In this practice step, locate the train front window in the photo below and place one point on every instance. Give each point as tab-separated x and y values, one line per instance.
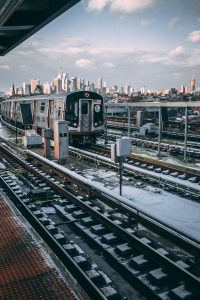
42	107
84	108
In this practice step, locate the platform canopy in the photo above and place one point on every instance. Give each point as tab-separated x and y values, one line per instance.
19	19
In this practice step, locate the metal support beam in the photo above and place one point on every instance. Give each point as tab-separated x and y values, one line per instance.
186	132
106	126
129	121
159	131
15	28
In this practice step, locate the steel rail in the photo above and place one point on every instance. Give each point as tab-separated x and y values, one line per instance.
172	267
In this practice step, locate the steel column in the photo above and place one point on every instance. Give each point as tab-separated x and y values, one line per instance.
16	140
186	132
106	126
129	121
120	174
159	131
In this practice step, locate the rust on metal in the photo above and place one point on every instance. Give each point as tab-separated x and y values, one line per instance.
25	272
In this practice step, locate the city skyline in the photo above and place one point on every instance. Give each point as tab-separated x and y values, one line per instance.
66	83
150	43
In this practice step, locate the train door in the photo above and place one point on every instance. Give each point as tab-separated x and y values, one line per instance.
85	115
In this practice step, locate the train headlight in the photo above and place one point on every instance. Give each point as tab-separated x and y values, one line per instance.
97	108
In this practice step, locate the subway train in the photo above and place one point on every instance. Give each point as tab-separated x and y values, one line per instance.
84	111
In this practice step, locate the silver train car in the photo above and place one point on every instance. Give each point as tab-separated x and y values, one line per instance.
84	111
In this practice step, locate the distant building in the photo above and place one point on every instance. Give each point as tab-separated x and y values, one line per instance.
127	89
100	83
47	88
114	88
142	90
26	89
182	89
82	83
92	87
20	91
57	83
38	90
64	81
1	94
87	83
34	84
79	87
11	91
192	83
73	84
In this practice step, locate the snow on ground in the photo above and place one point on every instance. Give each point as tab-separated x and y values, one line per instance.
177	212
180	213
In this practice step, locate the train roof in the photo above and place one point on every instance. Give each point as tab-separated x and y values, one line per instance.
53	96
36	97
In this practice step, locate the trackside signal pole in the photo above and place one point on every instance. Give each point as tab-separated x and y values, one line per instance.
119	150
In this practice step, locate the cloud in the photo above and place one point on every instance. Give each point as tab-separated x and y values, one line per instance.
147	23
194	36
97	5
177	74
5	67
83	63
173	22
178	51
74	41
154	58
125	6
108	65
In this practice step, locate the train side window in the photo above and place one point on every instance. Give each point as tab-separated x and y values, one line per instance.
42	107
84	108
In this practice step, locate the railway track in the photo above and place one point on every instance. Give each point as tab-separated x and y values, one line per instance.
168	134
193	149
143	262
177	179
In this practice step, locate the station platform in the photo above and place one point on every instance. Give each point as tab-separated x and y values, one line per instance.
26	269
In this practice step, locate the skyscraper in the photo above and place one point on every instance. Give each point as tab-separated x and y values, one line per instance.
182	89
57	83
47	88
34	84
79	83
100	83
26	89
192	84
60	73
73	84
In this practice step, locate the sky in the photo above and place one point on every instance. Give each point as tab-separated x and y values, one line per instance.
151	43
